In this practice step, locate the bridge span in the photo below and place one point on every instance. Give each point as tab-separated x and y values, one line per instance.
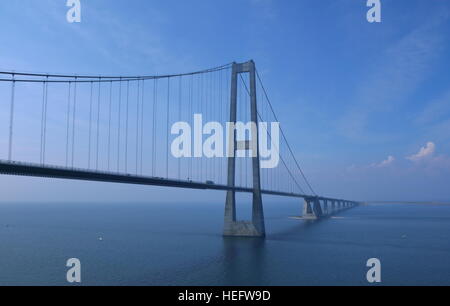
122	136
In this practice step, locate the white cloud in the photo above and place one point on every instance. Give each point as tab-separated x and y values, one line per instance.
385	162
424	152
426	162
388	161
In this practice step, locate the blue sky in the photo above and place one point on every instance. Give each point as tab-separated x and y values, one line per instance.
365	106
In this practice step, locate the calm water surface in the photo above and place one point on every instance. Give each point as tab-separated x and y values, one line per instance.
182	245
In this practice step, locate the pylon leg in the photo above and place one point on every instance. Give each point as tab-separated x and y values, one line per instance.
312	209
317	208
255	227
308	212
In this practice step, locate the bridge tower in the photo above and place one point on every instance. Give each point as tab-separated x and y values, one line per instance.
233	227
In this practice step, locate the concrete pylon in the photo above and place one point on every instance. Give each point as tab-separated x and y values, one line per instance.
317	208
308	212
312	209
326	210
255	227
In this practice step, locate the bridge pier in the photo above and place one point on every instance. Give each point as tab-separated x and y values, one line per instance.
325	207
312	209
255	227
315	208
308	212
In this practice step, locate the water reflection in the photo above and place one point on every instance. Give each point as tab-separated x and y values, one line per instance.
244	260
299	228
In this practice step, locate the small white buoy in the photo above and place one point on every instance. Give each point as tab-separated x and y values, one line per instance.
100	238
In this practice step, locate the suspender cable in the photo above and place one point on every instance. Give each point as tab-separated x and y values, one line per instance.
217	106
198	107
109	125
42	123
211	116
179	118
11	118
214	118
142	125
269	178
266	178
214	111
220	117
68	125
246	111
190	116
155	109
45	122
90	127
137	126
126	127
167	127
206	104
118	125
222	121
240	116
202	113
98	122
73	121
195	104
225	113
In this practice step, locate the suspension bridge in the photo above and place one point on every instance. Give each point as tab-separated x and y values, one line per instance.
118	129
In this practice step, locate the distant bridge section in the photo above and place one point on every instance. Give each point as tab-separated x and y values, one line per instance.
406	202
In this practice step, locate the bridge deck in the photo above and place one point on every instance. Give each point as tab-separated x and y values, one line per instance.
35	170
